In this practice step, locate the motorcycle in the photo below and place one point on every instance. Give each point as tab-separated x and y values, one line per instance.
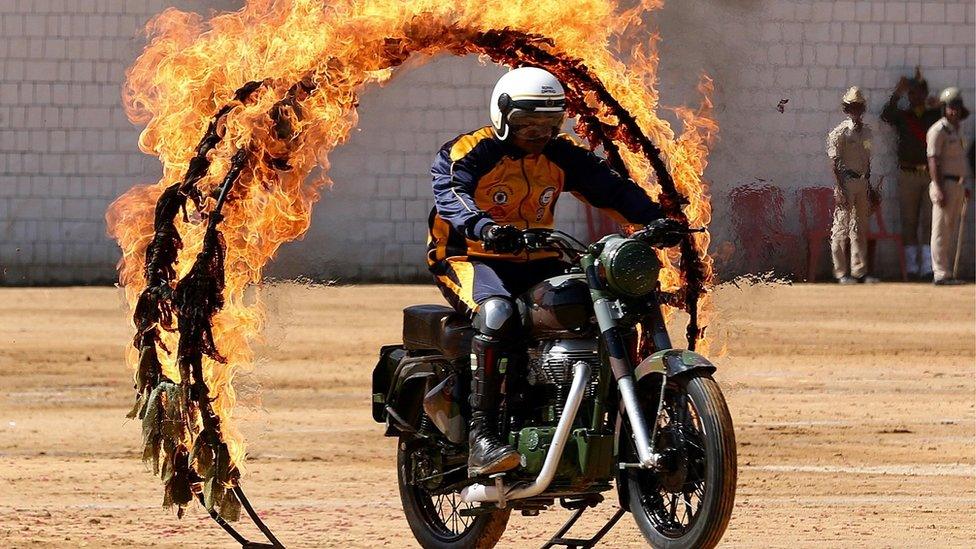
583	407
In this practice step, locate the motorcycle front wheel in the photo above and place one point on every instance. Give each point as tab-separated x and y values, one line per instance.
435	519
687	503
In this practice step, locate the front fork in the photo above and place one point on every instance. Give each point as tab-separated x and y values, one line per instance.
607	314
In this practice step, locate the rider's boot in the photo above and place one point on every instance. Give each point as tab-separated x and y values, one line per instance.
487	454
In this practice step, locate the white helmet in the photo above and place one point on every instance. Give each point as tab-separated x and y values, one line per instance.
950	95
953	96
530	93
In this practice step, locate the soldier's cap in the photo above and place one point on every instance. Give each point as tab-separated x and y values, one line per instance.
853	96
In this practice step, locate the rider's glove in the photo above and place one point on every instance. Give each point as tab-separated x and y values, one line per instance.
665	232
503	239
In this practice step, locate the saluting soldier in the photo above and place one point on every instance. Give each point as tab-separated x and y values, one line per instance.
946	148
913	177
849	149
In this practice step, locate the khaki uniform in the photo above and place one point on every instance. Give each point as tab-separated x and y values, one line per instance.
948	146
850	149
913	180
916	210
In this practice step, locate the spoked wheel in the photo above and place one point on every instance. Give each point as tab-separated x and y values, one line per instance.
688	501
436	519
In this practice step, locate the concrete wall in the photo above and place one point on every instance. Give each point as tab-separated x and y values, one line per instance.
66	149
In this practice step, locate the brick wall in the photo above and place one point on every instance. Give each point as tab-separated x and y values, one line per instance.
66	149
372	224
810	53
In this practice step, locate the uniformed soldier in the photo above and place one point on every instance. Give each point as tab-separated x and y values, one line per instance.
489	185
849	149
913	177
946	149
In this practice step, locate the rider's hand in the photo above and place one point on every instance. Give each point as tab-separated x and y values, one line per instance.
665	232
504	239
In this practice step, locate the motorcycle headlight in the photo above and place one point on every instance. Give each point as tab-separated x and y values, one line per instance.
631	267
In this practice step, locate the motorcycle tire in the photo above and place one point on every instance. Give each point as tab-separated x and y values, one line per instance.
720	472
431	529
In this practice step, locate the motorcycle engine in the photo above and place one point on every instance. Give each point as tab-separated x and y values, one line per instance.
551	365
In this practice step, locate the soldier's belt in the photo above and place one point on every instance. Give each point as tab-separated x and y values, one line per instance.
852	174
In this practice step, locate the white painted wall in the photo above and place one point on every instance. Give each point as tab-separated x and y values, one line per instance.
66	149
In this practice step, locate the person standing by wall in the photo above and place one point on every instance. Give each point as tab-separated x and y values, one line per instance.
946	149
849	149
913	177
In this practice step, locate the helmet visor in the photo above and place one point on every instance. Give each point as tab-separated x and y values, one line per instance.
528	118
536	125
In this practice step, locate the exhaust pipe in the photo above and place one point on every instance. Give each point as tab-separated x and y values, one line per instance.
480	493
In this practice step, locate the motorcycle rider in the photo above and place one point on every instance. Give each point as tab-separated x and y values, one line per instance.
489	185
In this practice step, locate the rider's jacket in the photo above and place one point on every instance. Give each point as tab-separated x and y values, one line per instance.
478	179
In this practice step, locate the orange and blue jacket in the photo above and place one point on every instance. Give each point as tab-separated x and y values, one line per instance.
478	179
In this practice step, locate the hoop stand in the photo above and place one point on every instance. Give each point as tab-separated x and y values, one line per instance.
246	543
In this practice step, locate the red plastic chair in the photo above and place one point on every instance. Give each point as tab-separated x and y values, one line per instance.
883	234
757	221
816	215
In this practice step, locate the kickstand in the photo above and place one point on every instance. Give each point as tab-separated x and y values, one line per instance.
576	543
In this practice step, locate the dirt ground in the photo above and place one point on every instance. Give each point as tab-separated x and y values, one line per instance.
854	413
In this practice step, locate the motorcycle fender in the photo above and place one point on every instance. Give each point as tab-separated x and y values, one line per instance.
673	363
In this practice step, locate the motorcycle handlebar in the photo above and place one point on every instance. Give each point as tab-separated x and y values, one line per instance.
664	237
549	239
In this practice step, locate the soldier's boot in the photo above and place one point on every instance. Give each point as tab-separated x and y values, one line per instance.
487	454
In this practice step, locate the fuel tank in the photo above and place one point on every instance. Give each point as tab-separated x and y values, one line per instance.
559	307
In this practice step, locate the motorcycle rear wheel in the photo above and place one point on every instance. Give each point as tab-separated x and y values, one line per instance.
434	519
707	476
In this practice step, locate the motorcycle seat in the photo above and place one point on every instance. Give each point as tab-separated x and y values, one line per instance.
436	327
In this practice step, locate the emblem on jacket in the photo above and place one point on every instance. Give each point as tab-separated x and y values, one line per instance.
499	195
546	196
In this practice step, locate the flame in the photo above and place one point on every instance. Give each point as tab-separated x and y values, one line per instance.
192	67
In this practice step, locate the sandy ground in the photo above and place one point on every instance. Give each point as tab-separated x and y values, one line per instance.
854	411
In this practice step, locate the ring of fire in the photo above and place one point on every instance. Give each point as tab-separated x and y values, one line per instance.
272	89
